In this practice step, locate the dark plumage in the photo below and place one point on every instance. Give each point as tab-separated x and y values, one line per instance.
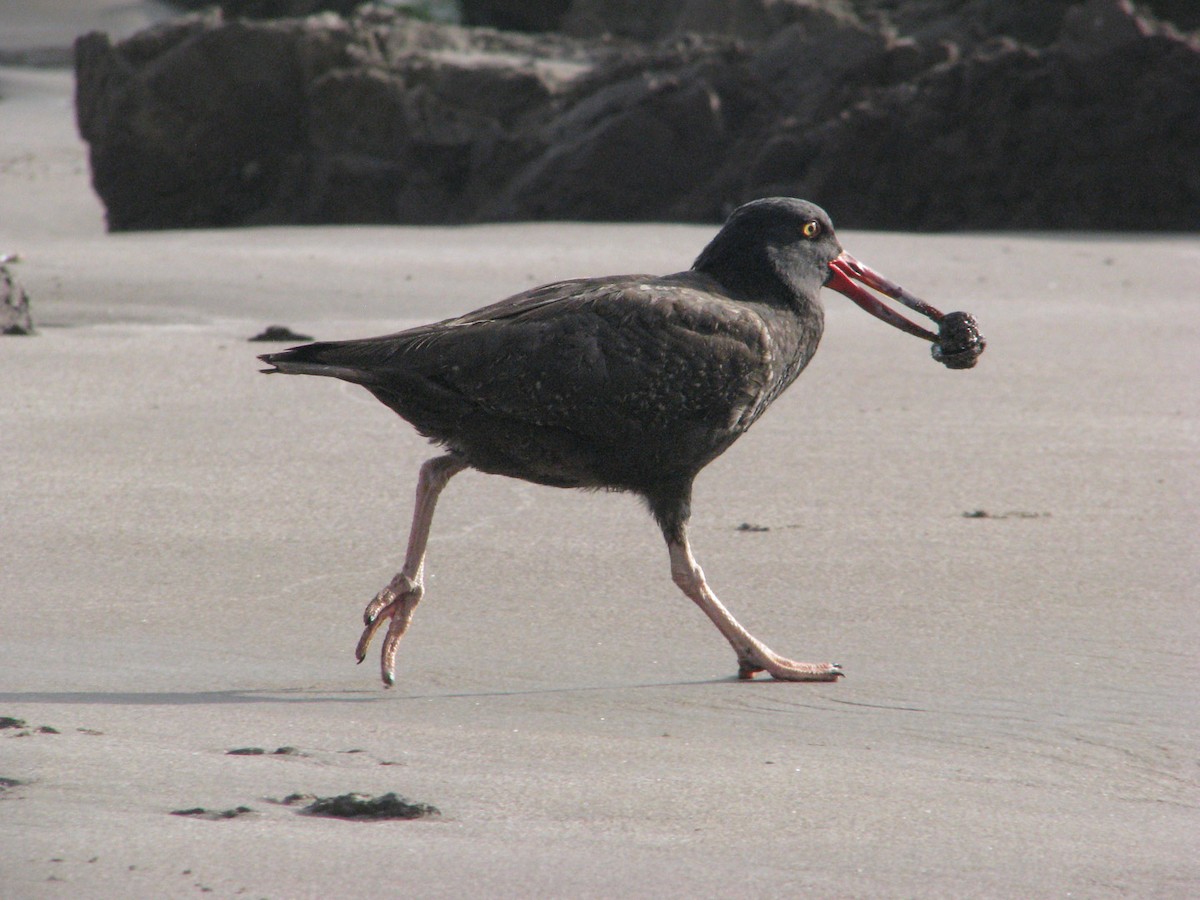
630	383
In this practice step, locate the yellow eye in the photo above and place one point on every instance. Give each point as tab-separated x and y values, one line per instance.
811	229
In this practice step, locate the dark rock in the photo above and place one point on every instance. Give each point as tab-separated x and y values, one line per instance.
270	9
362	806
752	20
1012	514
293	799
1013	137
967	23
632	147
913	114
199	812
199	123
1183	14
10	722
279	333
515	15
246	751
15	317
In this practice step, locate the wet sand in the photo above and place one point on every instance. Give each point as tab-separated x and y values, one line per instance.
1004	560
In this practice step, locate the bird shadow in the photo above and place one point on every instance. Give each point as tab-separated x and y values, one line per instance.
181	698
309	695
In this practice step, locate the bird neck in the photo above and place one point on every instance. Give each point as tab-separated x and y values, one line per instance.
749	285
750	273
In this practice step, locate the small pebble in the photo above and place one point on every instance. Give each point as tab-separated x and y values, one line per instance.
280	333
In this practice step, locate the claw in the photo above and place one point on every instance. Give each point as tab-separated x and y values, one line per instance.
382	601
360	652
391	643
788	670
747	670
394	605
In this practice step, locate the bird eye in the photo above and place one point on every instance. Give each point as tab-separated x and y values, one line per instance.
811	228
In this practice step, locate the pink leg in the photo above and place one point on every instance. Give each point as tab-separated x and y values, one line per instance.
397	601
753	656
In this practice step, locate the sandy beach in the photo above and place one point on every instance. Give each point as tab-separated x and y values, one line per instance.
1004	561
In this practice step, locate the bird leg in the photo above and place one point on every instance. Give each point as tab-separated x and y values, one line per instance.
397	601
753	656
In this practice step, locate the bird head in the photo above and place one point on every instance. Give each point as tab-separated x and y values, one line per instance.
780	249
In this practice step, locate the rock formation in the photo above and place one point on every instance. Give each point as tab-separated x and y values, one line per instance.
891	115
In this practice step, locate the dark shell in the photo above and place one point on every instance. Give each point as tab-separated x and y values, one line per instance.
959	342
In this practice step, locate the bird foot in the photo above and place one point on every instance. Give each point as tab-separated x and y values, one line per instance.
394	604
782	669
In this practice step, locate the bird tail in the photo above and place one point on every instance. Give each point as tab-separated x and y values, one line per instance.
332	359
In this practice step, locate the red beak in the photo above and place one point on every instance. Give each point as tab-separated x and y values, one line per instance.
846	270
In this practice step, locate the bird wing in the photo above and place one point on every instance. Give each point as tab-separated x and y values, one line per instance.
593	357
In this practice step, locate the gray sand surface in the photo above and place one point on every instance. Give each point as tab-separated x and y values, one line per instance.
187	548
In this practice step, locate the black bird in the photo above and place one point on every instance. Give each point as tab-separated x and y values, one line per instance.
628	383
